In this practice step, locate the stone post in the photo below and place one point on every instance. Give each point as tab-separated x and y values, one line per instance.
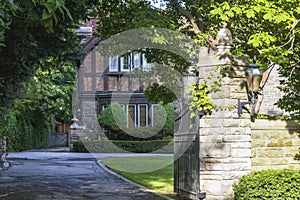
75	136
225	138
3	163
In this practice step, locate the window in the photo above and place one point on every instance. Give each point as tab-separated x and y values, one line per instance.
143	116
114	64
125	63
158	115
131	120
128	62
146	65
136	60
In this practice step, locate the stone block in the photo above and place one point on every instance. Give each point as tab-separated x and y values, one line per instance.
215	131
280	143
228	175
270	162
253	153
236	160
256	135
296	142
237	95
244	123
258	143
215	150
237	138
240	131
238	89
271	152
218	188
224	93
230	123
240	153
208	123
291	152
241	145
222	114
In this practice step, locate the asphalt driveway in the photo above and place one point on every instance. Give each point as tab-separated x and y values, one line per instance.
64	175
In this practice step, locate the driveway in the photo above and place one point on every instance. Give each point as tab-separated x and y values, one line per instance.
64	175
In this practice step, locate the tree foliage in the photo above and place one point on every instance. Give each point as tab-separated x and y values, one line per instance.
268	29
31	32
39	50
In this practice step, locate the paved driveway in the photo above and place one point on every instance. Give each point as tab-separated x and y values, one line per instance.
61	175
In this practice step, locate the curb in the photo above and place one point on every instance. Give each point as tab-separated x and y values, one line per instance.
100	164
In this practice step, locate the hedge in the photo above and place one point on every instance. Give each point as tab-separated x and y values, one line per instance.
109	146
269	184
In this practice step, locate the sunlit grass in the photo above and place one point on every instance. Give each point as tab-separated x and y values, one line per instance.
160	180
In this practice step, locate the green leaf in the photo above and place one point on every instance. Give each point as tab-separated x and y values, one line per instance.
250	14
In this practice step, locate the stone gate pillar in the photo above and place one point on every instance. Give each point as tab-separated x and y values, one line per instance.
225	138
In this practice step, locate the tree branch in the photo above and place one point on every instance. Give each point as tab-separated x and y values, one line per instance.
187	14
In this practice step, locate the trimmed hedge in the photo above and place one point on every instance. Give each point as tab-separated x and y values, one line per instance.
119	146
136	134
269	184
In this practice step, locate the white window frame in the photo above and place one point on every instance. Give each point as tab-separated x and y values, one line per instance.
136	57
145	65
128	64
134	114
114	63
139	114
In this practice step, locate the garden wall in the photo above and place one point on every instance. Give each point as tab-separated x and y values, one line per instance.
274	144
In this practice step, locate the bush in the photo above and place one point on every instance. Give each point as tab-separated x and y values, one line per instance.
269	184
113	117
105	146
23	133
136	134
164	118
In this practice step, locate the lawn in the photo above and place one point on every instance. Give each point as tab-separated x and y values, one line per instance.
155	172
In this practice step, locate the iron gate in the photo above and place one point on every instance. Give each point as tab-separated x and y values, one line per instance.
186	155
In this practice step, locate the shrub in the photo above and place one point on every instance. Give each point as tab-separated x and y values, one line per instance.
105	146
113	117
135	134
269	184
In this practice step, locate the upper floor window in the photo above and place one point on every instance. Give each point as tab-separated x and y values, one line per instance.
128	62
114	63
125	63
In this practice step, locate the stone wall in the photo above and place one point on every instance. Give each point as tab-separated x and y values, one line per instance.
274	144
225	138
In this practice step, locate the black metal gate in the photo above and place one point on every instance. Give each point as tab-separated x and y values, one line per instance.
186	155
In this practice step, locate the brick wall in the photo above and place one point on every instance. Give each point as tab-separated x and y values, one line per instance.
270	93
274	144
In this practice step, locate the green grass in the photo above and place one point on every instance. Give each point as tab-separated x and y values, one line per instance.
155	172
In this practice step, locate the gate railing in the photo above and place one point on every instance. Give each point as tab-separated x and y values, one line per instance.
186	157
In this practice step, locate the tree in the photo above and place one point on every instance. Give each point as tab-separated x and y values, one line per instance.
254	26
33	31
268	29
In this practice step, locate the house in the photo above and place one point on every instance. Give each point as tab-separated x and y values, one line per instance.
112	80
107	79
